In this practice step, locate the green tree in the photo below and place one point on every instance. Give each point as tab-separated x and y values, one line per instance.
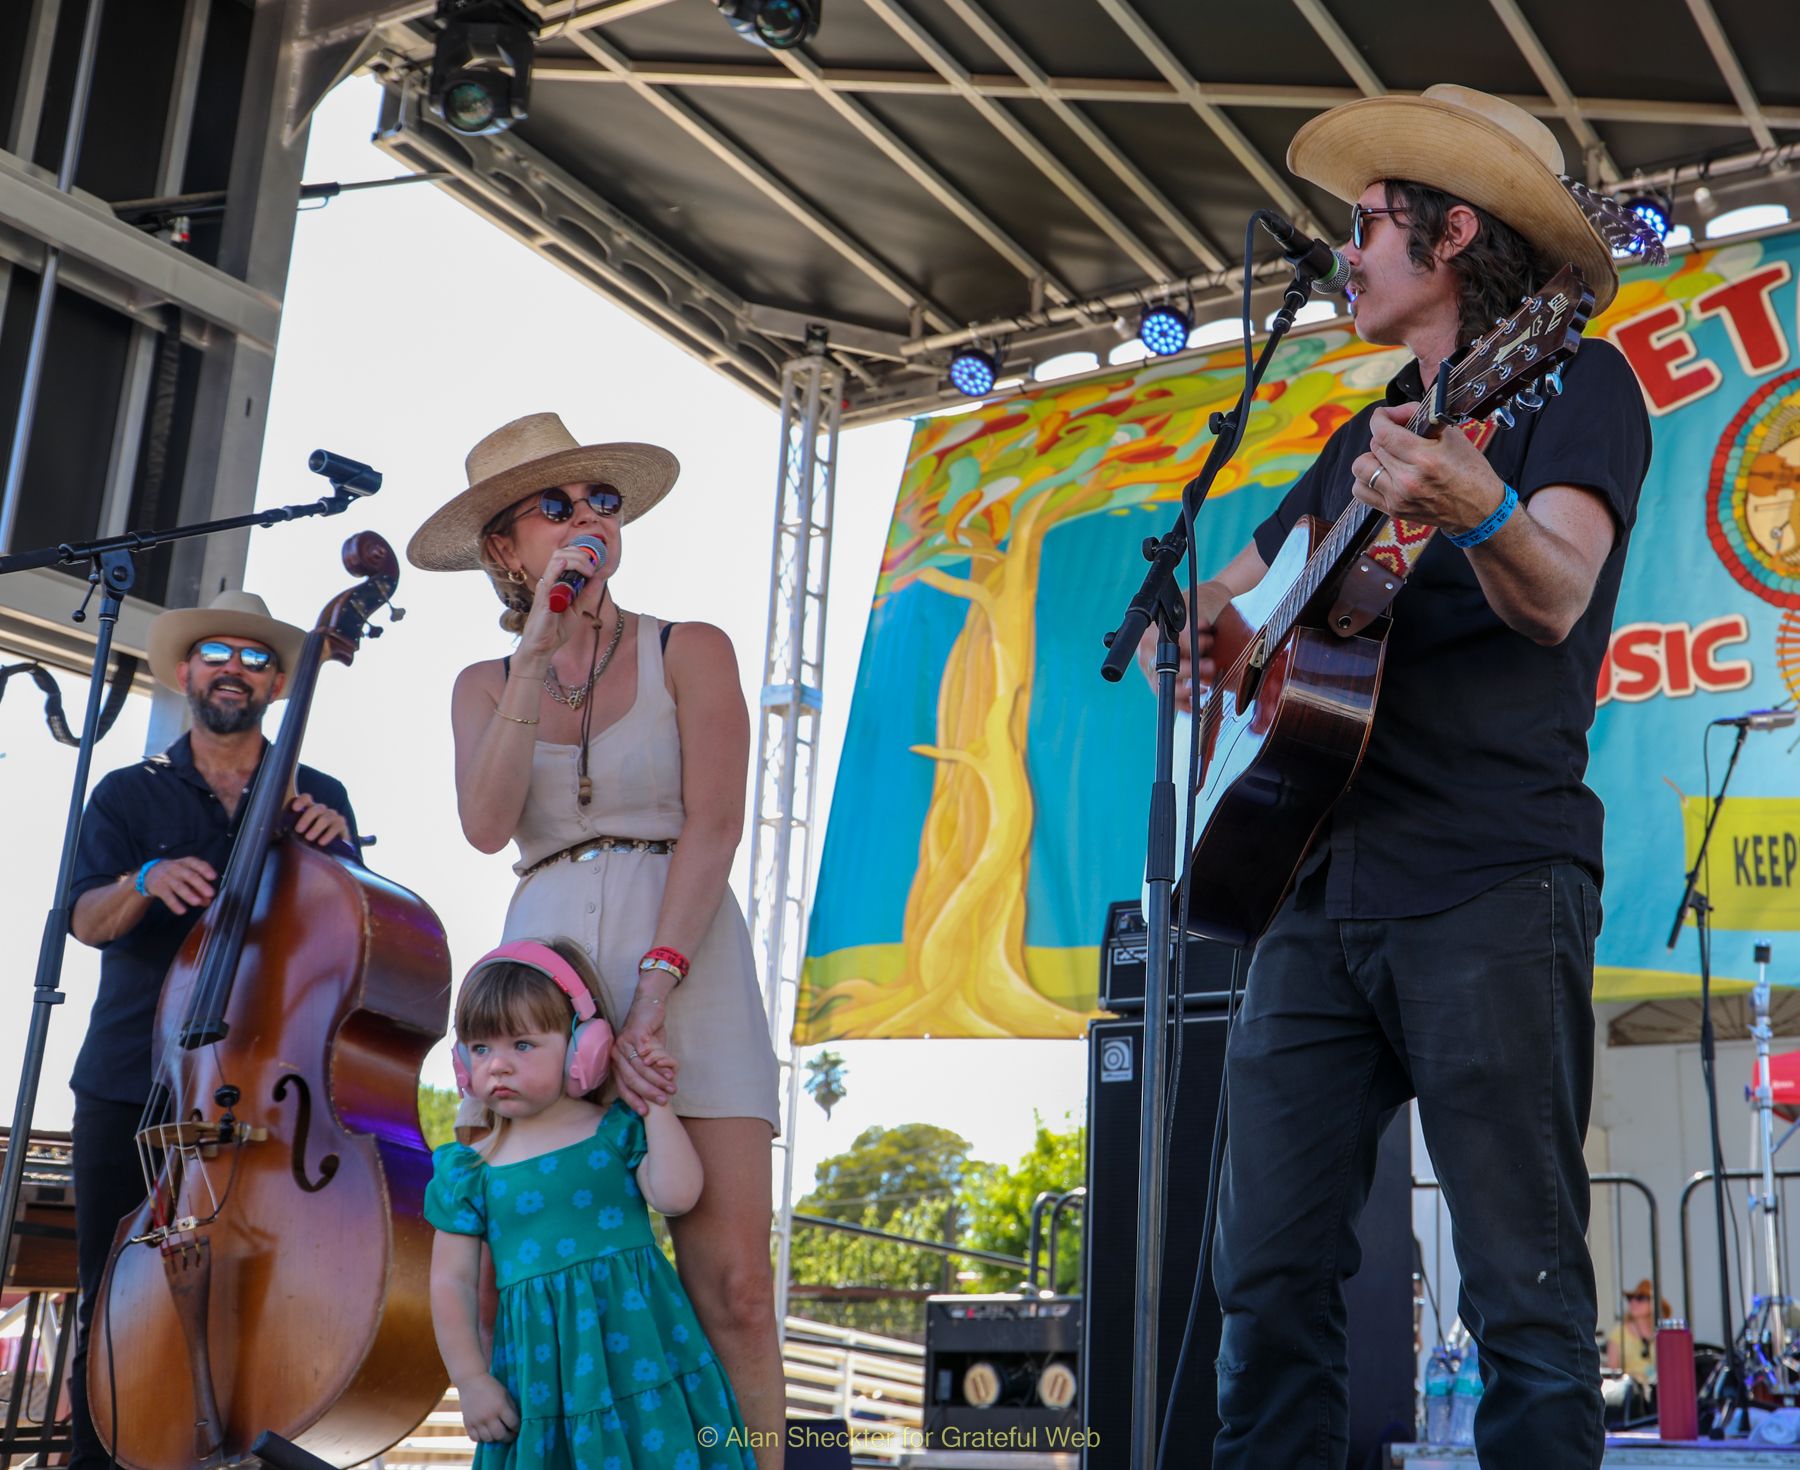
905	1181
997	1200
825	1075
890	1166
437	1114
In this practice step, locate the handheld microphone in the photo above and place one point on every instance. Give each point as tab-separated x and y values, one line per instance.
1762	719
1329	270
569	585
346	474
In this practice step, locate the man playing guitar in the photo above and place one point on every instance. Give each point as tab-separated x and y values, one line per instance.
1438	939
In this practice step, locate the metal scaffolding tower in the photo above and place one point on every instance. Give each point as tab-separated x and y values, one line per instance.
812	396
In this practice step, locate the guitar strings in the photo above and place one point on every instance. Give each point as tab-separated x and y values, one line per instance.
1319	563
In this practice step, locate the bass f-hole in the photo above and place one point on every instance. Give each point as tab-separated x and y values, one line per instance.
328	1165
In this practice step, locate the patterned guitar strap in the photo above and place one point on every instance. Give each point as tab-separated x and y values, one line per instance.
1380	572
1376	577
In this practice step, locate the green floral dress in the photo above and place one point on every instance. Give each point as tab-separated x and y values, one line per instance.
595	1339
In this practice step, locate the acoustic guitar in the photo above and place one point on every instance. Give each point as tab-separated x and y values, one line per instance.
1286	722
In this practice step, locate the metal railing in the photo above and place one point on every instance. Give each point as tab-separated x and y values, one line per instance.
1069	1199
36	1363
875	1384
1618	1183
942	1248
1704	1179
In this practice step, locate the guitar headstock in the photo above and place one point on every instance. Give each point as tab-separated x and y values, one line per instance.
345	618
1521	359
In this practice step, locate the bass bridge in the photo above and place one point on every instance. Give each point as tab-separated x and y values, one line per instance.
172	1153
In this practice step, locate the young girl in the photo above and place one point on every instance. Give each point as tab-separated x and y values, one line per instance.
598	1361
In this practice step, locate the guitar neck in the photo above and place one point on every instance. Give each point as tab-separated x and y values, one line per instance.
1360	524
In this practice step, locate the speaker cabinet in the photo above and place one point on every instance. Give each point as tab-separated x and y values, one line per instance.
1125	965
1380	1295
1000	1372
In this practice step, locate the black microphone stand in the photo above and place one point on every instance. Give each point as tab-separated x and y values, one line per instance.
1734	1400
1158	600
110	570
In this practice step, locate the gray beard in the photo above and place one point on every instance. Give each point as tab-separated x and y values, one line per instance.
225	719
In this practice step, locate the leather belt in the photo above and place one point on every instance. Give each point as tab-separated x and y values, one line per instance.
586	851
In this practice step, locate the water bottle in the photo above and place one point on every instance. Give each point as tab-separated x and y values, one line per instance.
1438	1377
1465	1394
1677	1400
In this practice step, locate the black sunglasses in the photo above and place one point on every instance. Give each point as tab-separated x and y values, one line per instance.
253	660
1361	212
557	505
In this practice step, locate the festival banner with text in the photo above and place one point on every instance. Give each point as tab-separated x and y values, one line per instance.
992	794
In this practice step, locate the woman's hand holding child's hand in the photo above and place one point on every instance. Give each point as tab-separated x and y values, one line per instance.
489	1414
642	1066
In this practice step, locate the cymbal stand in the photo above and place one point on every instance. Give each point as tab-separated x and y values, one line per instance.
1765	1330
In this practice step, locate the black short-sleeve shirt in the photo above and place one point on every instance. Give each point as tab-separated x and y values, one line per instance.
1475	765
161	807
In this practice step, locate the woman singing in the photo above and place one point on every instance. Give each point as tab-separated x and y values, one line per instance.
614	749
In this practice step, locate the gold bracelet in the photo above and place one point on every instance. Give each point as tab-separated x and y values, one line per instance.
514	718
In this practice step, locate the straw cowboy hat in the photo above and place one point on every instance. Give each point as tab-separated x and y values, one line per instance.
1477	148
534	453
229	615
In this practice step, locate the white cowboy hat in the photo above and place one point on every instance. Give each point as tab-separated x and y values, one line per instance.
534	453
229	615
1468	144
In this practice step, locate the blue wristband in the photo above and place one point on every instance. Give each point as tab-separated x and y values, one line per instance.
143	873
1509	502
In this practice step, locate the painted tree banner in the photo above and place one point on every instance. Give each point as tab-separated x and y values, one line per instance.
992	796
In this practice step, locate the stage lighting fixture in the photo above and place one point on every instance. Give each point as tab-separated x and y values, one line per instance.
1706	203
778	24
973	372
1653	207
481	70
1164	329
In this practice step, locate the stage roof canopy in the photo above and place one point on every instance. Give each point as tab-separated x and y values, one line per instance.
1032	169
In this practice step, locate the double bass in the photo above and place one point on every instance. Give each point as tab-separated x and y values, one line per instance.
277	1277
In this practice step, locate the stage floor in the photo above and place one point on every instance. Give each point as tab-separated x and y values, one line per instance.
1624	1451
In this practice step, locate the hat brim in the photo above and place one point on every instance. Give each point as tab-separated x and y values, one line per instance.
1428	142
450	541
173	634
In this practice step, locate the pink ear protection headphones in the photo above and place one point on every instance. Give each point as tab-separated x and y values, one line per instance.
590	1038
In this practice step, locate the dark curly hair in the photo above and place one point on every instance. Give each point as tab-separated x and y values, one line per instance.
1494	272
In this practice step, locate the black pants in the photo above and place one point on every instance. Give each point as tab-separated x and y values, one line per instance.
1484	1013
109	1185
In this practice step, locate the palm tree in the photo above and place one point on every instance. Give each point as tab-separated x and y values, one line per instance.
825	1080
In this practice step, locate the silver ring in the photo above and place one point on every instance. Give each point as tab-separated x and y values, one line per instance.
632	1052
1380	470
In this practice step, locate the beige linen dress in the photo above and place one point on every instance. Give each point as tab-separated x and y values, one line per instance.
608	902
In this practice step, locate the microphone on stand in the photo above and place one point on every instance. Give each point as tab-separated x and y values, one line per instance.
570	584
1329	270
1761	719
346	474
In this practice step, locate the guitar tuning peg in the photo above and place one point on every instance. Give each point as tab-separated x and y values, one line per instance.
1553	381
395	614
1529	400
1503	416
